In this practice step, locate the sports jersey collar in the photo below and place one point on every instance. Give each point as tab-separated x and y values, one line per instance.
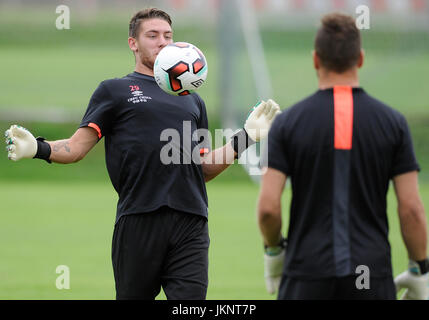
354	89
142	76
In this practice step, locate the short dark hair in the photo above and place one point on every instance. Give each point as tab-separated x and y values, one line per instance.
338	42
149	13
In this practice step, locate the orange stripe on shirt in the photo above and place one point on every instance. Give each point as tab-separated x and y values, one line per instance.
343	117
204	151
97	128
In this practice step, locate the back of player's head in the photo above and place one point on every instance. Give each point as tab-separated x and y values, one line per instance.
338	42
140	16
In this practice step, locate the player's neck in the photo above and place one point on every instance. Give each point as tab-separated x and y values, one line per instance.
329	79
141	68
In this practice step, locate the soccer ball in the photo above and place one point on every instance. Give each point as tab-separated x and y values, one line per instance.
180	68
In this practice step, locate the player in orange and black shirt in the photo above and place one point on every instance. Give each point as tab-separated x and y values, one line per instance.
158	157
340	147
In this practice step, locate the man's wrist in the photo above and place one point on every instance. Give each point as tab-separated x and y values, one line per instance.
240	142
419	267
275	250
43	150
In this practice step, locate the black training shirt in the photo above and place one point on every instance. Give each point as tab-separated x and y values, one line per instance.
131	113
340	151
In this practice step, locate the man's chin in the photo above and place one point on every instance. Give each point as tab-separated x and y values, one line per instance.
148	64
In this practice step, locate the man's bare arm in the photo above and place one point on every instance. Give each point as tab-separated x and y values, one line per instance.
217	161
75	148
255	128
269	206
411	215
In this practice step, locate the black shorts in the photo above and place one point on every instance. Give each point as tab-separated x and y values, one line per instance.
165	248
336	289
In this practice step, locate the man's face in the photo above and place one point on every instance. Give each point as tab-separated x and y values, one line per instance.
154	35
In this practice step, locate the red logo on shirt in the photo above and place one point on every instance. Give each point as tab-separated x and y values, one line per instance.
134	88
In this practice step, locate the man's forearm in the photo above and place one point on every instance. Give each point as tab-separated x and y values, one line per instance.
62	151
217	161
270	226
414	233
21	144
269	206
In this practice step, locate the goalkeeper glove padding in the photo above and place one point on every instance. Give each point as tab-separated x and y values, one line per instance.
273	266
22	144
259	120
415	280
256	126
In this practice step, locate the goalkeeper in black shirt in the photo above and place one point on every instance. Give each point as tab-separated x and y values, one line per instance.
161	235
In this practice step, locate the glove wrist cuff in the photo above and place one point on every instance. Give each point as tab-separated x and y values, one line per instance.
43	150
240	142
419	267
275	250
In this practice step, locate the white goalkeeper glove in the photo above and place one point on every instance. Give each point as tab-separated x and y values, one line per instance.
21	144
256	127
273	266
415	280
259	121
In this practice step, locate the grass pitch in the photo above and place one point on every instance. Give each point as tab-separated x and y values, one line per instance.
46	224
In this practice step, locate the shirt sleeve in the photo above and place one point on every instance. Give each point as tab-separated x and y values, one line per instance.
99	114
404	159
203	127
277	151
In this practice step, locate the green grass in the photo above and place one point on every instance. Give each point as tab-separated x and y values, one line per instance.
46	224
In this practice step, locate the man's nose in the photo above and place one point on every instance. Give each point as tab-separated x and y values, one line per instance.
163	42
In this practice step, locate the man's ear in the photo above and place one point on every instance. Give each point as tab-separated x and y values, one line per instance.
361	58
316	60
132	43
